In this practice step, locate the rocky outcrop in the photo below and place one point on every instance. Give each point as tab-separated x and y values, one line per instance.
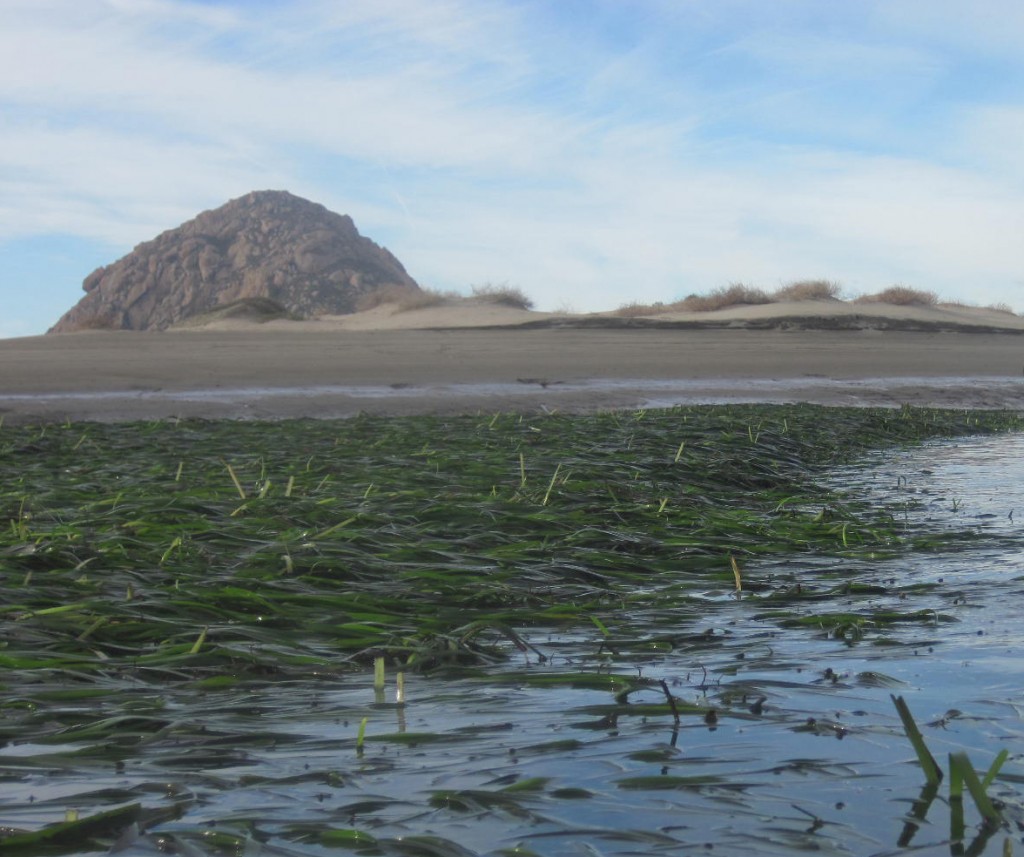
267	244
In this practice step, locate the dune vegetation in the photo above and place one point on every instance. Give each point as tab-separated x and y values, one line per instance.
738	294
401	299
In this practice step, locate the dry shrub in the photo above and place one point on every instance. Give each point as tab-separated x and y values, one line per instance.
96	321
900	296
635	309
253	309
403	298
808	290
736	294
1005	309
425	298
257	310
503	294
384	295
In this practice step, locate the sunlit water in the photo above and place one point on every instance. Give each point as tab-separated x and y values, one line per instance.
804	751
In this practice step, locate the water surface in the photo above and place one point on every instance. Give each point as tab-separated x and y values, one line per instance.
789	740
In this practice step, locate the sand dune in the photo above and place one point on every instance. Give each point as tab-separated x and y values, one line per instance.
812	314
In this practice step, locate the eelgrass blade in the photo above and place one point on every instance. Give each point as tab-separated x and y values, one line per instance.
333	529
73	832
346	838
736	573
957	826
361	735
994	768
551	485
932	771
961	770
671	700
234	478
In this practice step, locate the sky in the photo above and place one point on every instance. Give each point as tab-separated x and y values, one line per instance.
592	153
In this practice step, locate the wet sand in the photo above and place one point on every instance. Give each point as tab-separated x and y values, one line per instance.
279	372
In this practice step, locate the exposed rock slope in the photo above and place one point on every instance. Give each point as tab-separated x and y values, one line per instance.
267	244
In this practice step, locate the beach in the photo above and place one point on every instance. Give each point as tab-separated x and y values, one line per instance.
467	359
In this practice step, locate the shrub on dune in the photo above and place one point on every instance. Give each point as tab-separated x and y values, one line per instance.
635	309
900	296
404	299
724	297
808	290
502	294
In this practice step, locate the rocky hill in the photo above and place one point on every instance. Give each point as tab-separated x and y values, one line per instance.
267	244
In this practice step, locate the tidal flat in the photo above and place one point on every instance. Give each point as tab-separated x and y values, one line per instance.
619	633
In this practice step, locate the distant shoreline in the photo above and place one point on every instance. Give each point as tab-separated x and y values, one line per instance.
437	361
781	322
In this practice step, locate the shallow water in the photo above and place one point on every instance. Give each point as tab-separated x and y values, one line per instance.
650	393
803	750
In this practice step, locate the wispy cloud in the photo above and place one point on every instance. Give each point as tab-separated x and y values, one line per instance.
591	153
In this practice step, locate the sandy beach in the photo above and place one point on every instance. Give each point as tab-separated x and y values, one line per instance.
470	358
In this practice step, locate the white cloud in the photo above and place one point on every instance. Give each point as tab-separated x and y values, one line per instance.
638	152
124	75
637	232
113	186
991	138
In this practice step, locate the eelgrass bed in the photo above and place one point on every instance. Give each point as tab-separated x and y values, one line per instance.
177	560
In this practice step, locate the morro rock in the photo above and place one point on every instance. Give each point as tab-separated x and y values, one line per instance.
267	244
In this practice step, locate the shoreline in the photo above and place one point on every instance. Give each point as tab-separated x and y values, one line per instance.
258	372
258	403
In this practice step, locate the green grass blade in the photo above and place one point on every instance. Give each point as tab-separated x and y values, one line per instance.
932	771
551	485
961	764
198	644
73	833
361	735
994	768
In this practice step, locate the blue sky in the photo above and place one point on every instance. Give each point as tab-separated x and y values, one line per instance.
590	152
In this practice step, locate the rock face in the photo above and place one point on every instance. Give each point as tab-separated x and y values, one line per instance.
267	244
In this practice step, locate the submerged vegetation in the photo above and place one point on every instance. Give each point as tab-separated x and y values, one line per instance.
158	582
423	538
